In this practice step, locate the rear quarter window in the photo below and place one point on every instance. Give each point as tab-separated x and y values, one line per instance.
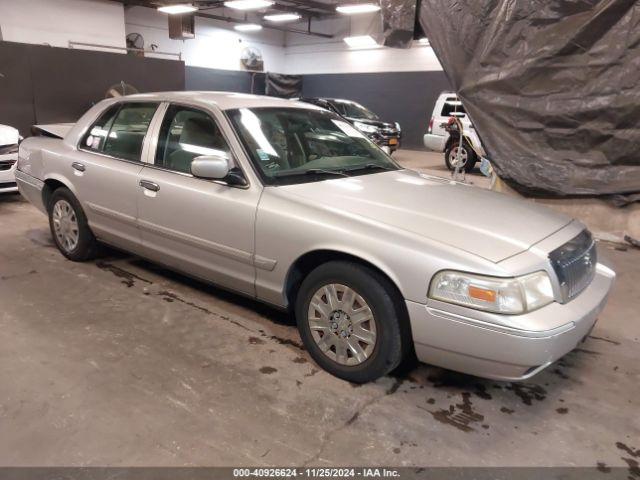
452	105
120	131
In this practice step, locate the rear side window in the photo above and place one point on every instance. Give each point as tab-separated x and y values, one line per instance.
120	131
94	139
332	107
452	105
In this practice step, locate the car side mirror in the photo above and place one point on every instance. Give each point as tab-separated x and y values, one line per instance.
212	167
218	167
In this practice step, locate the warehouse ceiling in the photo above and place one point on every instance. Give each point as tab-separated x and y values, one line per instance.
306	8
309	10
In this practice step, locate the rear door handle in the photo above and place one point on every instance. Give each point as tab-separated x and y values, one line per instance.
154	187
78	166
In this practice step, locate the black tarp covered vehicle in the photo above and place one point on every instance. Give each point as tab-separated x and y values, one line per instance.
552	88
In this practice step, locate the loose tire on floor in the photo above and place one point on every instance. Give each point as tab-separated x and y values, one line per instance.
344	306
69	227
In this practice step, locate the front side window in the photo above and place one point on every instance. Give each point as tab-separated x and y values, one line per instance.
120	131
290	145
187	133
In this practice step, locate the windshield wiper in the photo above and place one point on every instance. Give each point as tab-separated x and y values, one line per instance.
312	171
370	166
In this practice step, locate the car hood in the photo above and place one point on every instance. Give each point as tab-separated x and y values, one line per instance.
375	123
491	225
8	135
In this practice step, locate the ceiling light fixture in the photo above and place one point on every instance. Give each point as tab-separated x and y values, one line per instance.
354	8
248	4
282	17
248	27
178	8
361	41
424	41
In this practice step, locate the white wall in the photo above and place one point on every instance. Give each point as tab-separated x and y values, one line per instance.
216	45
56	22
338	58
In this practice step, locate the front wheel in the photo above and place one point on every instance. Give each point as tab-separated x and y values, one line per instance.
468	157
69	227
349	318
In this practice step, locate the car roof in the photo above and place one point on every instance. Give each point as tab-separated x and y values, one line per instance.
327	99
222	100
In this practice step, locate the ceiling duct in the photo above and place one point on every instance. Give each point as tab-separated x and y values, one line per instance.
182	26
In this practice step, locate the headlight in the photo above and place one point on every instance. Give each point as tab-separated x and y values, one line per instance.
511	296
363	127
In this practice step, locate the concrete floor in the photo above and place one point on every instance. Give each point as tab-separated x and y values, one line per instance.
117	362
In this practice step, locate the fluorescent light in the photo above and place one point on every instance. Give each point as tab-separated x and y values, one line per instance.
178	8
424	41
282	17
248	27
248	4
361	41
358	8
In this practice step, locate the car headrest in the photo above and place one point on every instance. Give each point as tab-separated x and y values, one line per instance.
201	132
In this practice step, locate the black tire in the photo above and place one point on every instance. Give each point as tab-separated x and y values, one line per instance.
87	246
472	157
389	315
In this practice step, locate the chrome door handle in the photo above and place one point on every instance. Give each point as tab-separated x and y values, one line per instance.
154	187
78	166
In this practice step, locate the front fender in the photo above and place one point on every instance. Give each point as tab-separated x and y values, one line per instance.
289	227
342	251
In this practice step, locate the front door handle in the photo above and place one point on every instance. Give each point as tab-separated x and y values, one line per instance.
154	187
78	166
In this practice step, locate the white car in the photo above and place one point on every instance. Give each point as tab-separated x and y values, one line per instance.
439	140
9	139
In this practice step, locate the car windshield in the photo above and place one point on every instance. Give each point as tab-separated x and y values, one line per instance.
293	145
354	110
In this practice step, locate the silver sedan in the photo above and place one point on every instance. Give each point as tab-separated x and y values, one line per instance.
289	204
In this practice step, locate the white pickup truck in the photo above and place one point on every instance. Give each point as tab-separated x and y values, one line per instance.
439	140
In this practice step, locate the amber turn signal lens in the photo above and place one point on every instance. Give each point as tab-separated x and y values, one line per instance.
482	294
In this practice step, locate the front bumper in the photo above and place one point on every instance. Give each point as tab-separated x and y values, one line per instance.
7	174
31	189
435	143
468	345
389	139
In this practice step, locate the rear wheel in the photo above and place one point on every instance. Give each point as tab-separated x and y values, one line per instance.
349	318
468	157
69	227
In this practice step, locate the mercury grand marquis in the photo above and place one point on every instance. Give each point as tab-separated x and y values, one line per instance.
287	203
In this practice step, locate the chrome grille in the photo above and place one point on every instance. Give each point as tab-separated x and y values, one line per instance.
575	264
8	149
389	132
6	165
